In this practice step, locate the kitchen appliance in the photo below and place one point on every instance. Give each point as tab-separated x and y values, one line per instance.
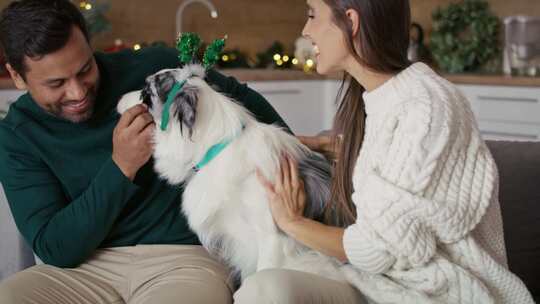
522	46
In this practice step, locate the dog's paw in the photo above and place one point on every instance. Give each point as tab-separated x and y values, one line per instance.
128	100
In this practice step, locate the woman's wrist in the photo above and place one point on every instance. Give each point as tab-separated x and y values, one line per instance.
312	142
317	236
294	227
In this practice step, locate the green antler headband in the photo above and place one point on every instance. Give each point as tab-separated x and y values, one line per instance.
213	51
188	45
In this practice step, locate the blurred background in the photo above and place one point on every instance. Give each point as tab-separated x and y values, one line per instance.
489	48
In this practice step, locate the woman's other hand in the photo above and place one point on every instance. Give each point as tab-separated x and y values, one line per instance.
323	144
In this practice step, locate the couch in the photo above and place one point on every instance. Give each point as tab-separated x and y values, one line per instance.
519	170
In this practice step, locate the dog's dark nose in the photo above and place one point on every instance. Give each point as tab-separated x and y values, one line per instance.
146	96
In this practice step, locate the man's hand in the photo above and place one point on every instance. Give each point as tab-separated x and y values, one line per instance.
132	145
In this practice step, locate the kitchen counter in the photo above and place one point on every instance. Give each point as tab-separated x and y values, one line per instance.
475	79
246	75
497	80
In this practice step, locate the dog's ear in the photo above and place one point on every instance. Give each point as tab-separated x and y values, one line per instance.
186	106
163	83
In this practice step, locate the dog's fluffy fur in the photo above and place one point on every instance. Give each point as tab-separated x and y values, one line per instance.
224	202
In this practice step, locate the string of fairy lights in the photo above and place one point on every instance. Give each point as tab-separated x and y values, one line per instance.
85	5
280	60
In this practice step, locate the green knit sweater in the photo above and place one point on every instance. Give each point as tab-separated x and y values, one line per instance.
67	195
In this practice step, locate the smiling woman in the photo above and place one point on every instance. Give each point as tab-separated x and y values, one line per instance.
423	223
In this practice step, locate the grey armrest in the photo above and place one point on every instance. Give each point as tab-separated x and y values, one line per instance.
15	254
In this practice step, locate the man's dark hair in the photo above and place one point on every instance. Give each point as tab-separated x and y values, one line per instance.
35	28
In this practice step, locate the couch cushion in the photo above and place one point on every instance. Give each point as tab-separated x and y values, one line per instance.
15	254
519	195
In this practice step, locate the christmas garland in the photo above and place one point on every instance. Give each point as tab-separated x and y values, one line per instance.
465	36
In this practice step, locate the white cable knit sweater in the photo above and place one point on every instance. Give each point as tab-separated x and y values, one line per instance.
429	228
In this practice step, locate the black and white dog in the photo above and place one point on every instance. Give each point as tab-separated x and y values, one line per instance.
214	146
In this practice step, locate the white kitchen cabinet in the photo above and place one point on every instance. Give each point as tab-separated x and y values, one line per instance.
505	112
502	112
307	106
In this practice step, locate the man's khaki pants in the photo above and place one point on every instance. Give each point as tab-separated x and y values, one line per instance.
157	274
163	274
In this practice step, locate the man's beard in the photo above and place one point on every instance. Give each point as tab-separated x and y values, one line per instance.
58	110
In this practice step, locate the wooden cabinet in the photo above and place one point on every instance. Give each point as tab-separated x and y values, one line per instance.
505	112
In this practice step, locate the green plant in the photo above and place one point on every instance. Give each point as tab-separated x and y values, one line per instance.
465	36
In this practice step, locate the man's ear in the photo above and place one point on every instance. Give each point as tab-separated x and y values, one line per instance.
354	21
186	101
16	77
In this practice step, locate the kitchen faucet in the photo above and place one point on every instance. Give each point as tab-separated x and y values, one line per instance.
180	11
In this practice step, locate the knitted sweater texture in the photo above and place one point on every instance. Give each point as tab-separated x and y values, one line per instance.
429	228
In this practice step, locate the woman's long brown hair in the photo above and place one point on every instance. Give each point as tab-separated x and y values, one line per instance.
380	46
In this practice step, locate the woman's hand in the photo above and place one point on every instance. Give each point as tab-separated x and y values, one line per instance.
287	197
322	144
